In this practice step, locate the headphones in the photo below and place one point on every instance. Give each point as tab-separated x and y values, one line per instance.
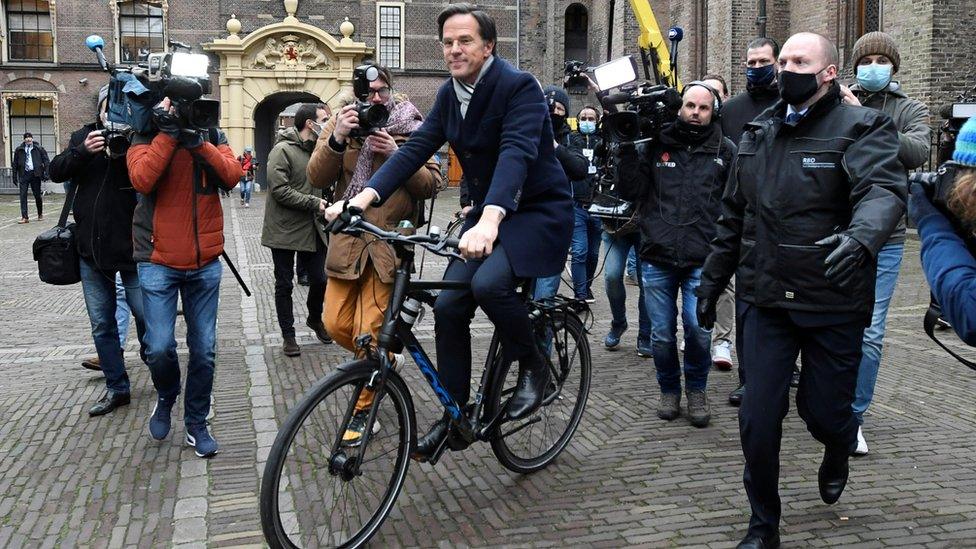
716	104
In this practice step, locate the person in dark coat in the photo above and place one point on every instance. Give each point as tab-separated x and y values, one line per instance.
103	207
816	192
761	93
496	120
677	182
29	170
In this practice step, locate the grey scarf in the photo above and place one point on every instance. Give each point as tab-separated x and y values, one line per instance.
465	91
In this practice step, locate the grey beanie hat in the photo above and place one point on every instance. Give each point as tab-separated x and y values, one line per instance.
102	94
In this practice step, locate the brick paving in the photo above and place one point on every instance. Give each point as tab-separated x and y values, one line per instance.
626	479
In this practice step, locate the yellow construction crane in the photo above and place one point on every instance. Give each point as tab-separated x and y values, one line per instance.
652	43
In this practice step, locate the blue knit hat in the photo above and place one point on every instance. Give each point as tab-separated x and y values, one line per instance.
965	153
558	94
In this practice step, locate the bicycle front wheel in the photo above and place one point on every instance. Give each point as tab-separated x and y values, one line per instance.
530	444
320	487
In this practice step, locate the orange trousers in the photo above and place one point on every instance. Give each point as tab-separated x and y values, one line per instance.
353	308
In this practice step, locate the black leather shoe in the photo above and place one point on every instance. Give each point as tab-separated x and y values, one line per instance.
833	474
529	389
320	331
753	541
303	280
110	401
290	347
735	397
92	363
429	443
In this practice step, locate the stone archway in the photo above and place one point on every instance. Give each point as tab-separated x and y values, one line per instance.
289	57
265	124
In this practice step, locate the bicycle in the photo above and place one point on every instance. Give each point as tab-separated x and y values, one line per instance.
319	491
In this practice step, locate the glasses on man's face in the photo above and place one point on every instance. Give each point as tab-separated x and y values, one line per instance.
382	93
464	42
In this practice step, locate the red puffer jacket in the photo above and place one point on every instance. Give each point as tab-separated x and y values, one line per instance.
180	222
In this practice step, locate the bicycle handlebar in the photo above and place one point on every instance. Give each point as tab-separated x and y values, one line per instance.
351	221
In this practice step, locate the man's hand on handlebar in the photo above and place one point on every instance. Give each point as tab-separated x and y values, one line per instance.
478	241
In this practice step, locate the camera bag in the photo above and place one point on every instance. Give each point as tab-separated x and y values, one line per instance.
55	251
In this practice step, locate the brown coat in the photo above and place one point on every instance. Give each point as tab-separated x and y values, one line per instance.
330	169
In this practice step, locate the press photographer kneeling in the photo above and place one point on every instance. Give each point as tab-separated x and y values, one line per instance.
678	183
943	206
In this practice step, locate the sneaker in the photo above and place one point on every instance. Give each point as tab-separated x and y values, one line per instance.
247	204
320	331
644	347
159	421
722	356
589	297
631	280
613	337
357	424
303	280
699	412
23	220
862	445
199	437
40	217
398	361
670	406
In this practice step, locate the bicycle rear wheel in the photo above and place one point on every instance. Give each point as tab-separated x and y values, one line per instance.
312	494
530	444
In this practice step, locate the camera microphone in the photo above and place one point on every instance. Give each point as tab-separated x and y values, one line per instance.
675	34
97	45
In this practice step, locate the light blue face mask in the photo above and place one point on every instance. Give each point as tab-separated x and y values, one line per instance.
587	127
874	77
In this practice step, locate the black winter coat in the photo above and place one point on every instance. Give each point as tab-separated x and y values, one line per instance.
678	189
104	202
38	158
584	187
570	156
744	108
836	171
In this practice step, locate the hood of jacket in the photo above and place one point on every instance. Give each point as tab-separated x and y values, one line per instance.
293	137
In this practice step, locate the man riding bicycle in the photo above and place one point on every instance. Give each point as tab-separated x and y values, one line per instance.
496	120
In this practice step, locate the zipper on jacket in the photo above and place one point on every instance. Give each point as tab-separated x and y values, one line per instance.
196	227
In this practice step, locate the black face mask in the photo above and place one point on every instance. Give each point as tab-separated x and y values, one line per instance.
691	133
558	121
796	88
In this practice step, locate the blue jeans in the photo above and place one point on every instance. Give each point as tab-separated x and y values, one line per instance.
585	251
102	303
618	248
661	285
632	261
122	310
889	261
246	188
546	287
199	289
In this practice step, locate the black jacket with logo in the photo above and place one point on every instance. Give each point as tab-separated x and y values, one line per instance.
678	189
836	171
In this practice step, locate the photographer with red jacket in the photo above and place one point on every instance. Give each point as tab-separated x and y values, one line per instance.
178	234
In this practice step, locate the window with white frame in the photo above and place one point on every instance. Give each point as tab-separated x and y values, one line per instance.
34	115
389	44
29	34
140	30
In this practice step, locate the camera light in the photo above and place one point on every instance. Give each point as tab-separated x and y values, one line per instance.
192	65
616	73
963	110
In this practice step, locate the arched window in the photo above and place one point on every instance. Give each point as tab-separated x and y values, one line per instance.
141	30
575	33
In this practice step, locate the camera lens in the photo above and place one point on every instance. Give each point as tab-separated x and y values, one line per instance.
377	116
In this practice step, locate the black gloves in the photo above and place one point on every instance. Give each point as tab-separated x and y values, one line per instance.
844	262
190	139
705	309
167	123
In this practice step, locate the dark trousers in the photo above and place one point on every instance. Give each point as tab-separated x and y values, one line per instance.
831	352
493	286
32	182
284	273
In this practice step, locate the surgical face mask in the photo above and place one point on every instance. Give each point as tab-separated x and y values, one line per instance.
874	77
317	128
760	77
587	127
797	88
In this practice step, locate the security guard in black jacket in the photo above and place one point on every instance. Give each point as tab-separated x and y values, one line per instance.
678	183
816	190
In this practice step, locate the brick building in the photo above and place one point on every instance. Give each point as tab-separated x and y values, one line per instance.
267	54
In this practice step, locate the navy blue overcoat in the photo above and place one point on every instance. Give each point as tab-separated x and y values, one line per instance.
505	146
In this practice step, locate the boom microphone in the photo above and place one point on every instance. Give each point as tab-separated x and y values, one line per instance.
675	34
96	44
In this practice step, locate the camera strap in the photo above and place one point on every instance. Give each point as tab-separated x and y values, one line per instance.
932	316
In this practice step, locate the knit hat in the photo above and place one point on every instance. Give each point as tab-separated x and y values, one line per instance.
876	43
558	94
965	152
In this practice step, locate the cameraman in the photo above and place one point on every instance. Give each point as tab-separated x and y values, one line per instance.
178	235
103	206
678	182
947	261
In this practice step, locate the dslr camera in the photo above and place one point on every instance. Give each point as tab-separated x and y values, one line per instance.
135	90
575	81
938	186
371	117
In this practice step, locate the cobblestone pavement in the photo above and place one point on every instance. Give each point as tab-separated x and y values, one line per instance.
626	479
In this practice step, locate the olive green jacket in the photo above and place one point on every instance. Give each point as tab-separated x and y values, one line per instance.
291	215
